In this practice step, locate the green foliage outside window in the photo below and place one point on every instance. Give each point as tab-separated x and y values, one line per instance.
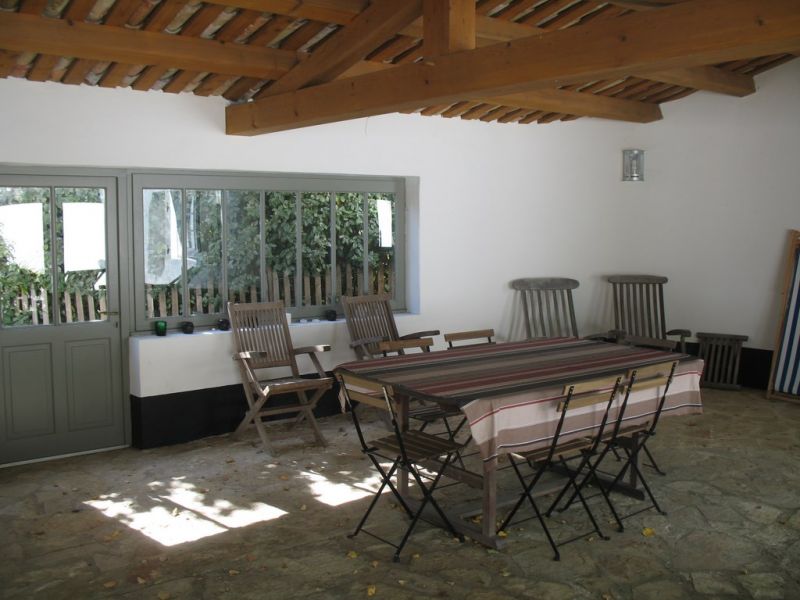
17	280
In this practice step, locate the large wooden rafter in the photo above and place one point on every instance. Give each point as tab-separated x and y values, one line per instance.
686	35
555	101
29	33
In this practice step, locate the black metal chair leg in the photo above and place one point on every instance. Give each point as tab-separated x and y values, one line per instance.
652	460
375	499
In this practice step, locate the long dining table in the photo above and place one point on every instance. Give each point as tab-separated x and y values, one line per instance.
509	392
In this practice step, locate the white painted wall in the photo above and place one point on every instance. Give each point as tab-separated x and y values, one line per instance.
495	202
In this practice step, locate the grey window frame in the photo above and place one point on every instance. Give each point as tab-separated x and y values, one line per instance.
263	183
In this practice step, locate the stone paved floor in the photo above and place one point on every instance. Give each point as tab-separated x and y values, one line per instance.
222	519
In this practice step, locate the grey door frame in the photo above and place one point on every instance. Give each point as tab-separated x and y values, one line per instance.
122	231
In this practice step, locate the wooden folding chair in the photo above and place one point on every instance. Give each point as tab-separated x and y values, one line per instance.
547	306
262	341
599	393
639	317
406	450
373	333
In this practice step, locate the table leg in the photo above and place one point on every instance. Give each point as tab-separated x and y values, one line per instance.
489	499
402	416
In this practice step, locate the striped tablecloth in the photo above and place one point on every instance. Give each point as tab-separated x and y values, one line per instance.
509	391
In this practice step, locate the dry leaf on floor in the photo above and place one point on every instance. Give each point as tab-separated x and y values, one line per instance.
303	507
371	590
113	535
502	534
374	564
233	572
284	477
415	556
352	554
163	596
110	584
141	580
648	532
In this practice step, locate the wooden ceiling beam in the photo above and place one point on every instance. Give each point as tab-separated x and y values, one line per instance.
379	22
691	34
578	103
29	33
709	79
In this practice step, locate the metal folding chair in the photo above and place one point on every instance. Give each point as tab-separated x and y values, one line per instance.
406	450
262	341
631	439
596	393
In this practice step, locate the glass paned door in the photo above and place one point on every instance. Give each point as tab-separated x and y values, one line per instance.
60	356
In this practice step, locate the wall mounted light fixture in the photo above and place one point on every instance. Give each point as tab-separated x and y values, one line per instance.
632	165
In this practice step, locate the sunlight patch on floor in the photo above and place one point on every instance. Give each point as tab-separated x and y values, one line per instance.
336	494
179	512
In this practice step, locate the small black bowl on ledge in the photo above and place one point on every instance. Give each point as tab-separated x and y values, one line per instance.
223	324
330	315
187	327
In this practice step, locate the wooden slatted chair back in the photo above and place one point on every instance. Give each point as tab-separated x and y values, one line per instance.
370	317
590	393
366	392
261	328
639	305
652	376
547	306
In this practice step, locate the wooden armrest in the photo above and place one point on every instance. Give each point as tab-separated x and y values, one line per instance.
365	341
396	345
419	335
684	333
607	335
468	335
312	349
637	340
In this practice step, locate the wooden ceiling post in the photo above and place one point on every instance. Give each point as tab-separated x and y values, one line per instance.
448	26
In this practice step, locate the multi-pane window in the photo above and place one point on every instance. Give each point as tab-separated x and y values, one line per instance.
52	254
202	241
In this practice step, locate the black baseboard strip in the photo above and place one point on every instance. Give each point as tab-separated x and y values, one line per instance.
186	416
